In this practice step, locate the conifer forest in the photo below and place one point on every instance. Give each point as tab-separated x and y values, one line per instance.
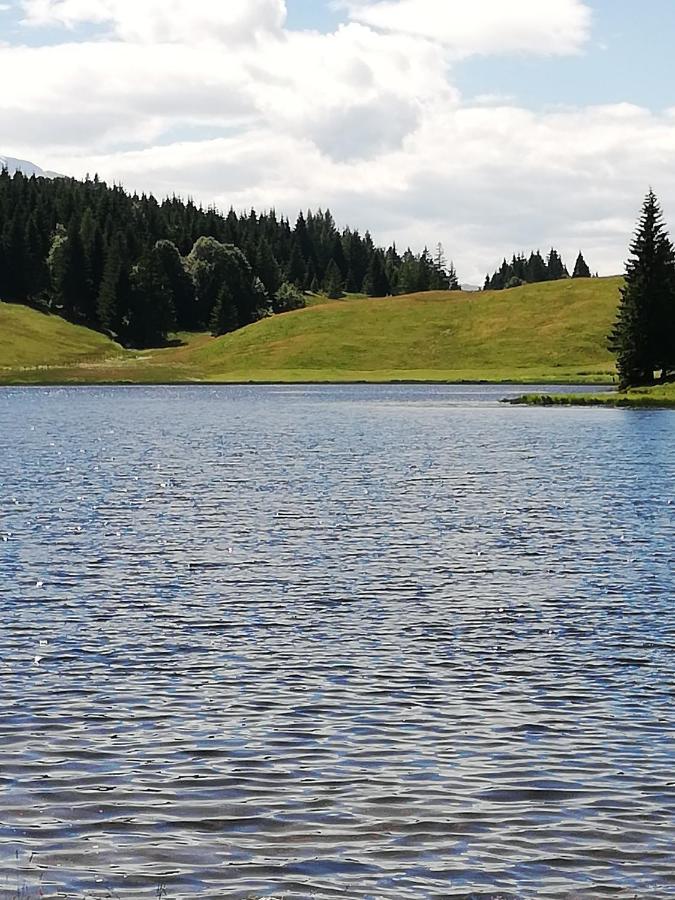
139	269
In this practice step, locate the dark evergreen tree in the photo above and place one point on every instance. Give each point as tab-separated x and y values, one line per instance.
179	284
642	338
152	314
14	259
581	270
376	283
556	267
267	268
536	270
337	255
224	318
357	259
439	280
453	280
425	271
295	270
35	274
115	292
333	284
408	281
91	243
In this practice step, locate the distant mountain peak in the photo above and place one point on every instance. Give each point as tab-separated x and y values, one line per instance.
27	168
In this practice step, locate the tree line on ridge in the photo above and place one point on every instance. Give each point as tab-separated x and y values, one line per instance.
139	269
533	270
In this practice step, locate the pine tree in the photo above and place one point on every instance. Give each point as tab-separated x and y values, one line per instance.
178	283
439	275
425	268
357	259
581	270
224	317
112	304
376	284
453	280
295	270
555	267
333	284
36	273
152	314
536	270
267	268
642	336
91	243
408	281
14	275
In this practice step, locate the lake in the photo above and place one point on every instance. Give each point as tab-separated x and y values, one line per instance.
363	642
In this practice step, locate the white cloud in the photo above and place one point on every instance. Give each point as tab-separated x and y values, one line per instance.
546	27
485	181
160	21
365	120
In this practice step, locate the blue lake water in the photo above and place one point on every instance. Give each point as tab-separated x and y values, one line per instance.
368	642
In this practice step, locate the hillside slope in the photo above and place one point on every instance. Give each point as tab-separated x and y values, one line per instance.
553	332
537	332
29	338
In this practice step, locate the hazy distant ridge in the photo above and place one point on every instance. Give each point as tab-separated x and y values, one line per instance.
23	165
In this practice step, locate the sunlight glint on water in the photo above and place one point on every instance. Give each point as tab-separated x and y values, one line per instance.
336	642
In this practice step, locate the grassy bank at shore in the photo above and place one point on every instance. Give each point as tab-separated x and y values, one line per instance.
29	339
545	333
657	396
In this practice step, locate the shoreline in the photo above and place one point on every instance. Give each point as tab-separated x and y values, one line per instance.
335	382
656	397
605	395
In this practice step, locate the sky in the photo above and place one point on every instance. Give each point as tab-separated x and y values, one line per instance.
493	127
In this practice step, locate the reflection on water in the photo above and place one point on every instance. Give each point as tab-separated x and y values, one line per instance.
334	642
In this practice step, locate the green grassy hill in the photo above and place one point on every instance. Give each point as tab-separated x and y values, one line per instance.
29	338
555	331
536	333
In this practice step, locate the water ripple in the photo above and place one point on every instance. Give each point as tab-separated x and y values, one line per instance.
335	642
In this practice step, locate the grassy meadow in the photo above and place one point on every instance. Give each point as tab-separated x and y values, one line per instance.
30	339
543	333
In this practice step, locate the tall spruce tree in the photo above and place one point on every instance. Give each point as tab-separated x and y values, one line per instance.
179	284
581	269
333	284
376	283
152	311
642	336
536	270
112	305
224	317
453	280
267	268
555	266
